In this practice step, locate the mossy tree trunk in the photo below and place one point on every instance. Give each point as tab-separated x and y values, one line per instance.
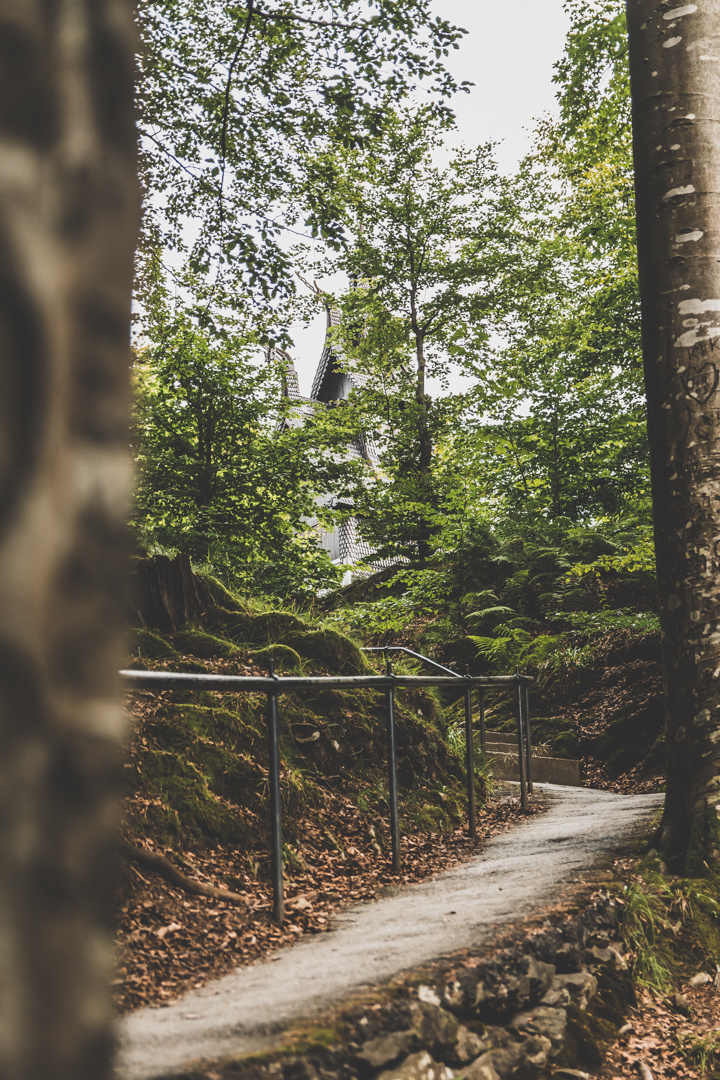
675	80
69	209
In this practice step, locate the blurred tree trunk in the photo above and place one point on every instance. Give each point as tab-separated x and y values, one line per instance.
69	209
675	79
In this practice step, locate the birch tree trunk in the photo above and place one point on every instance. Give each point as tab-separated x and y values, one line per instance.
69	207
675	79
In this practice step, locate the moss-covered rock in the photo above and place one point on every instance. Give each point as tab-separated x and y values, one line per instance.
284	658
330	649
222	596
149	646
206	646
192	808
260	628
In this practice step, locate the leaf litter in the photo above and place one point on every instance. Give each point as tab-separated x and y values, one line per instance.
170	942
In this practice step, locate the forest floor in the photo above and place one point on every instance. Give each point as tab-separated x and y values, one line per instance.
170	942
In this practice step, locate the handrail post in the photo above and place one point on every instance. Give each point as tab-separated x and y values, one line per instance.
276	859
470	756
482	719
392	773
521	743
528	738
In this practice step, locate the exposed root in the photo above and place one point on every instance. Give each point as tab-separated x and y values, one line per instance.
162	866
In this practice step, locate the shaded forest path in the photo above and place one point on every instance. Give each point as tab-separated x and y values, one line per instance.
517	875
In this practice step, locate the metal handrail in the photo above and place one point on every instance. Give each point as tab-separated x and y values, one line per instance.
273	685
409	652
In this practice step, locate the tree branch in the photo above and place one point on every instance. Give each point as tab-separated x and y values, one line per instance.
288	16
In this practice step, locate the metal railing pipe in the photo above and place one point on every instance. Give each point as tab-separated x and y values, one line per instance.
276	854
528	737
171	680
409	652
482	719
392	772
470	760
521	744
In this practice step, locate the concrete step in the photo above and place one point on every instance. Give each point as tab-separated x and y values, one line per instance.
545	770
511	748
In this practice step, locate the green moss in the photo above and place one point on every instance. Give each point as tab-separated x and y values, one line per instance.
263	628
144	643
285	658
185	791
207	646
222	596
331	649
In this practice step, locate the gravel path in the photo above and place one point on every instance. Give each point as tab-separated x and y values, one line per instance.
518	873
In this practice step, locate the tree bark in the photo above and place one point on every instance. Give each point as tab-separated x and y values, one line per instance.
675	80
69	210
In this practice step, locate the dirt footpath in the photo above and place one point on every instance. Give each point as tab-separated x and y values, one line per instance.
518	874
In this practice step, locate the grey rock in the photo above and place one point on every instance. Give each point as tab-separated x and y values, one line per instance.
576	989
428	995
535	1051
540	976
453	995
598	955
544	944
607	955
543	1020
469	1046
418	1067
567	957
701	979
681	1004
436	1028
503	1063
482	1069
556	997
386	1050
460	993
299	1069
502	991
572	1073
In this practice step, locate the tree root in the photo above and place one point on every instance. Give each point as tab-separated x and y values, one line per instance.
162	866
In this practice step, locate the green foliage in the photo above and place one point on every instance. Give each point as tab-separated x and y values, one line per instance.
231	98
217	479
418	295
700	1051
639	558
642	921
604	621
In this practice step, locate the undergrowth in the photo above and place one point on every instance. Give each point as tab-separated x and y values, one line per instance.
670	925
197	773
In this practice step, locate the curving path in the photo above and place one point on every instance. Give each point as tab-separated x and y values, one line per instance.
517	874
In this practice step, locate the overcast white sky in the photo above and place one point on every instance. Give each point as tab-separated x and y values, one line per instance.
508	53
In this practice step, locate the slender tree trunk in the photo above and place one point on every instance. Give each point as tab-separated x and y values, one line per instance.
69	204
425	447
675	77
